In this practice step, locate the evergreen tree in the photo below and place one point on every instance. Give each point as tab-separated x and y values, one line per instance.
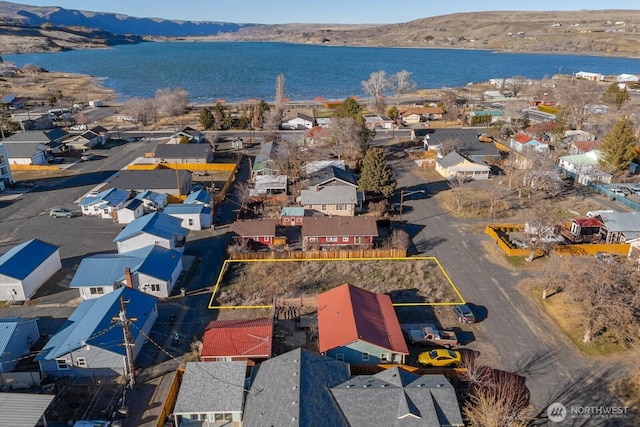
206	119
349	108
616	96
376	176
619	146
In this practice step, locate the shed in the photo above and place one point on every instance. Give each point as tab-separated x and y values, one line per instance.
24	409
26	267
194	216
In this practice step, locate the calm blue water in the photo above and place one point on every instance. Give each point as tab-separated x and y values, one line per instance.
237	71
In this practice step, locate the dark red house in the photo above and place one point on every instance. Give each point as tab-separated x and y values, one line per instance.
261	231
334	231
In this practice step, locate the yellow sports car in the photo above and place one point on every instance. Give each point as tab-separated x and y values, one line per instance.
440	357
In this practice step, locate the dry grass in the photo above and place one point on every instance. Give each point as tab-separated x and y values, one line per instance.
256	283
75	87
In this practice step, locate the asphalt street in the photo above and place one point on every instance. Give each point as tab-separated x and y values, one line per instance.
515	336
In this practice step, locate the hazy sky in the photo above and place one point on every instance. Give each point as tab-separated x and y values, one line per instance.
318	11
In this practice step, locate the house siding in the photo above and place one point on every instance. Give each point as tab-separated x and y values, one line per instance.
332	209
353	353
145	239
125	216
12	289
85	292
350	240
25	335
145	281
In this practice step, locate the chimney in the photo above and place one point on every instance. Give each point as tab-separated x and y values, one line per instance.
128	277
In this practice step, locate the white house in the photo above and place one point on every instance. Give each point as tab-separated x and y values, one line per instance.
453	164
153	270
152	229
90	343
26	267
194	216
580	163
130	210
105	204
627	78
300	121
17	336
152	201
6	178
595	77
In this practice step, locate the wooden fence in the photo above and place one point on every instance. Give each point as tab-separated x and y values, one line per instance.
170	401
19	167
311	255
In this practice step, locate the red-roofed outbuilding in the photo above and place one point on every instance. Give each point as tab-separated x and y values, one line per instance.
242	339
359	327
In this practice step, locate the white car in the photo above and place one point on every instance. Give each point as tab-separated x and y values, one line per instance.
618	192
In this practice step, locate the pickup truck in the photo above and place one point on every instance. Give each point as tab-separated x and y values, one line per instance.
427	334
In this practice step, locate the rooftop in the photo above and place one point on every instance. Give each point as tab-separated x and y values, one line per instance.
157	224
240	338
339	226
20	261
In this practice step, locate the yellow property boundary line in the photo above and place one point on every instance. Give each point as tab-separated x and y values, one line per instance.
408	304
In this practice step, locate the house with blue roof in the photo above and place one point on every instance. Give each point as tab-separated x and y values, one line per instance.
90	343
105	204
152	229
152	201
194	216
26	267
153	270
201	196
132	209
17	335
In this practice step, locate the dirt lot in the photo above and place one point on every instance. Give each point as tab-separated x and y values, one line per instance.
256	283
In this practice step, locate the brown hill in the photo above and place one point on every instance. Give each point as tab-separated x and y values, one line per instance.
610	32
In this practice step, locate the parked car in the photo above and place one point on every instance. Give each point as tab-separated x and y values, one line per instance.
56	160
618	191
87	157
440	358
29	184
59	212
428	334
464	313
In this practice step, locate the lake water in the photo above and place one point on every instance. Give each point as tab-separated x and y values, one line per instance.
238	71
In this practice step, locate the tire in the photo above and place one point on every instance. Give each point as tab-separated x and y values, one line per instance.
68	216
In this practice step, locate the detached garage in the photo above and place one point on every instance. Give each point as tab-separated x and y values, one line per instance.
25	268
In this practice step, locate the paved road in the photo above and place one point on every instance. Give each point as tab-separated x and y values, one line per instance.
516	335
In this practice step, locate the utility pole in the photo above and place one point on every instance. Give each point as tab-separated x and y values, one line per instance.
401	203
127	341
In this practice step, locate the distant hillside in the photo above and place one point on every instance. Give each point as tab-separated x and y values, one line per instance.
606	32
118	24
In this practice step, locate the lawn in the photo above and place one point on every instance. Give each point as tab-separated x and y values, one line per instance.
408	281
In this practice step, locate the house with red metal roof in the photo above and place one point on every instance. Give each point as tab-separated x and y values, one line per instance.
237	340
359	327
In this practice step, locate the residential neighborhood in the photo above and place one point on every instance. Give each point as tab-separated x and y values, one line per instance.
423	241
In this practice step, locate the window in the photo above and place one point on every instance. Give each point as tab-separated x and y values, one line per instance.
4	171
96	209
340	357
190	221
105	211
62	364
341	207
298	219
82	362
286	220
2	159
312	239
345	239
384	357
223	417
332	239
323	207
96	291
365	356
154	287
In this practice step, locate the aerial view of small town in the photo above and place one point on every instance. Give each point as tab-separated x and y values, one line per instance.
462	256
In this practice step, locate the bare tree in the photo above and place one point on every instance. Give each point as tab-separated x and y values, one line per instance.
449	105
575	97
496	194
457	184
607	296
243	193
517	84
449	145
500	399
399	239
345	138
271	124
171	102
401	83
143	110
541	226
550	275
379	104
376	85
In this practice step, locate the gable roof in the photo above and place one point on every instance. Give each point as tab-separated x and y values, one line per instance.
249	228
588	222
150	179
8	327
108	269
20	261
339	226
469	143
335	194
23	149
110	197
177	151
329	173
293	390
584	146
157	224
389	397
622	222
292	211
590	158
188	209
239	338
347	314
199	196
450	160
211	387
42	136
132	204
91	324
301	116
317	165
23	409
157	198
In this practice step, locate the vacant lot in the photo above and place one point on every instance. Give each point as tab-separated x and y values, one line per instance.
414	280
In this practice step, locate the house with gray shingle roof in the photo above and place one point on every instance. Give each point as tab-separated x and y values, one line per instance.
168	181
184	153
211	394
341	200
453	164
299	122
395	397
293	389
36	141
26	267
